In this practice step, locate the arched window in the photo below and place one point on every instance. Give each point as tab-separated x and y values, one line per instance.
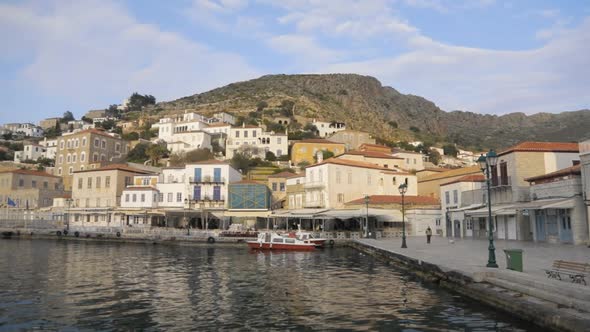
83	157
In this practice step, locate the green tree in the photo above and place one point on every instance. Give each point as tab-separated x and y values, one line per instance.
326	154
287	107
107	125
137	102
155	152
241	162
434	157
67	116
131	136
450	150
138	154
261	105
197	155
270	156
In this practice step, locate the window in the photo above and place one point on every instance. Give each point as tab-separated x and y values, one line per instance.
84	141
455	196
103	157
71	171
274	186
170	196
338	176
179	197
45	185
142	197
74	158
69	158
118	147
447	198
76	143
61	145
279	153
128	181
96	143
278	140
282	186
82	157
59	171
89	183
245	133
104	144
134	198
61	159
34	184
237	133
126	197
69	144
160	197
340	198
503	173
95	157
80	183
253	133
98	182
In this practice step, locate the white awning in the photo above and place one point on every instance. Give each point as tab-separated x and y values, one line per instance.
469	207
497	210
551	203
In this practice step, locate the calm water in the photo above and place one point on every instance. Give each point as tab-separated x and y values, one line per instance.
67	285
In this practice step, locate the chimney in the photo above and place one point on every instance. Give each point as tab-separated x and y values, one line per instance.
320	156
243	124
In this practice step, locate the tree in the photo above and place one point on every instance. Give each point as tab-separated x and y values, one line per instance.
196	155
241	162
270	156
86	119
155	152
45	162
303	164
137	101
450	150
261	105
326	154
139	153
310	127
434	157
393	124
67	117
132	136
106	125
287	107
216	147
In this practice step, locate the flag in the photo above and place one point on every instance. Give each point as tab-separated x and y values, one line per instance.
11	202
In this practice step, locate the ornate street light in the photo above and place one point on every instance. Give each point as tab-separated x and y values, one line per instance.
367	199
485	164
403	188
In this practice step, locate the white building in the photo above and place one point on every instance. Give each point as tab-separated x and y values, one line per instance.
333	182
30	152
50	146
452	199
225	117
26	129
325	129
257	141
184	132
414	160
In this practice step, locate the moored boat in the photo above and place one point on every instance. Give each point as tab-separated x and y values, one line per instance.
274	241
309	238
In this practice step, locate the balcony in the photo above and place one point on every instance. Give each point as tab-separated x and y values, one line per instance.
500	181
207	180
209	198
314	185
314	204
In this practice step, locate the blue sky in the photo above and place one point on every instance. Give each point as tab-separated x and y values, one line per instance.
485	56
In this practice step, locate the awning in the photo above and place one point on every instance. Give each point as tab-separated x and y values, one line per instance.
470	207
497	210
551	203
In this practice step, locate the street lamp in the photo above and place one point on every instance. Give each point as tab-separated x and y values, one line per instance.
367	199
187	202
403	188
69	203
486	163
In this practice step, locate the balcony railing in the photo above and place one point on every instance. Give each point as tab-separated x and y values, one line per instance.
311	185
209	198
206	179
313	204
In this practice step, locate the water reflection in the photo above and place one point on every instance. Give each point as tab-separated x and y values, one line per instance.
109	286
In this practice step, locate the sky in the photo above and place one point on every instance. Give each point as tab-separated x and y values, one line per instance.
483	56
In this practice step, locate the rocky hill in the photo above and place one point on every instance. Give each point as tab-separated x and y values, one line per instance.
364	104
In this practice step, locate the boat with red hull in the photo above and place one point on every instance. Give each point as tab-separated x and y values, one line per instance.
274	241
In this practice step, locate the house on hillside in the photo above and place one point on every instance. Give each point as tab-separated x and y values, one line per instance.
352	139
325	129
307	150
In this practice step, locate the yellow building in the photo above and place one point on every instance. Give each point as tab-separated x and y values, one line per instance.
277	183
306	150
29	188
430	185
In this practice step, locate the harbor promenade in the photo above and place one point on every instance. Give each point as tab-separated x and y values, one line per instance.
461	265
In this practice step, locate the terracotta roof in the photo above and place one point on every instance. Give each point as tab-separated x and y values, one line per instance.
572	170
120	167
210	162
372	154
396	199
284	174
451	173
467	178
139	188
317	141
395	172
219	125
405	151
93	131
29	172
543	147
376	146
353	163
433	169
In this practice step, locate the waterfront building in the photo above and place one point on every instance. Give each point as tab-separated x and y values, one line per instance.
557	210
379	158
247	201
333	182
277	183
584	147
456	196
97	192
325	129
295	192
84	150
256	142
352	139
511	193
307	150
29	189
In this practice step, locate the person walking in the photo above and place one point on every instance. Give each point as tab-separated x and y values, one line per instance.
428	234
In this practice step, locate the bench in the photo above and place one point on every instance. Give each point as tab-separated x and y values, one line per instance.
576	271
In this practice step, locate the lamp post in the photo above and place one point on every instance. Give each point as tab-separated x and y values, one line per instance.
486	163
187	206
367	199
69	203
403	188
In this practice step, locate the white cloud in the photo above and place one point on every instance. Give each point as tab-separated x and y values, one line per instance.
95	51
303	48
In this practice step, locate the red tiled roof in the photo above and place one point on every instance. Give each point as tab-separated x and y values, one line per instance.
376	146
372	154
284	174
353	163
139	188
219	125
120	167
317	141
29	172
572	170
396	172
396	199
467	178
405	151
543	147
433	169
210	162
94	131
451	173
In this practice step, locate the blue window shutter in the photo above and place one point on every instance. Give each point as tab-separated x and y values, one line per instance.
197	174
217	174
197	193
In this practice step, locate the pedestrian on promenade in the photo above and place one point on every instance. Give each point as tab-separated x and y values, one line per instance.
428	234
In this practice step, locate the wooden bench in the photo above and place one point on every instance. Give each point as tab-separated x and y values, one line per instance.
576	271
